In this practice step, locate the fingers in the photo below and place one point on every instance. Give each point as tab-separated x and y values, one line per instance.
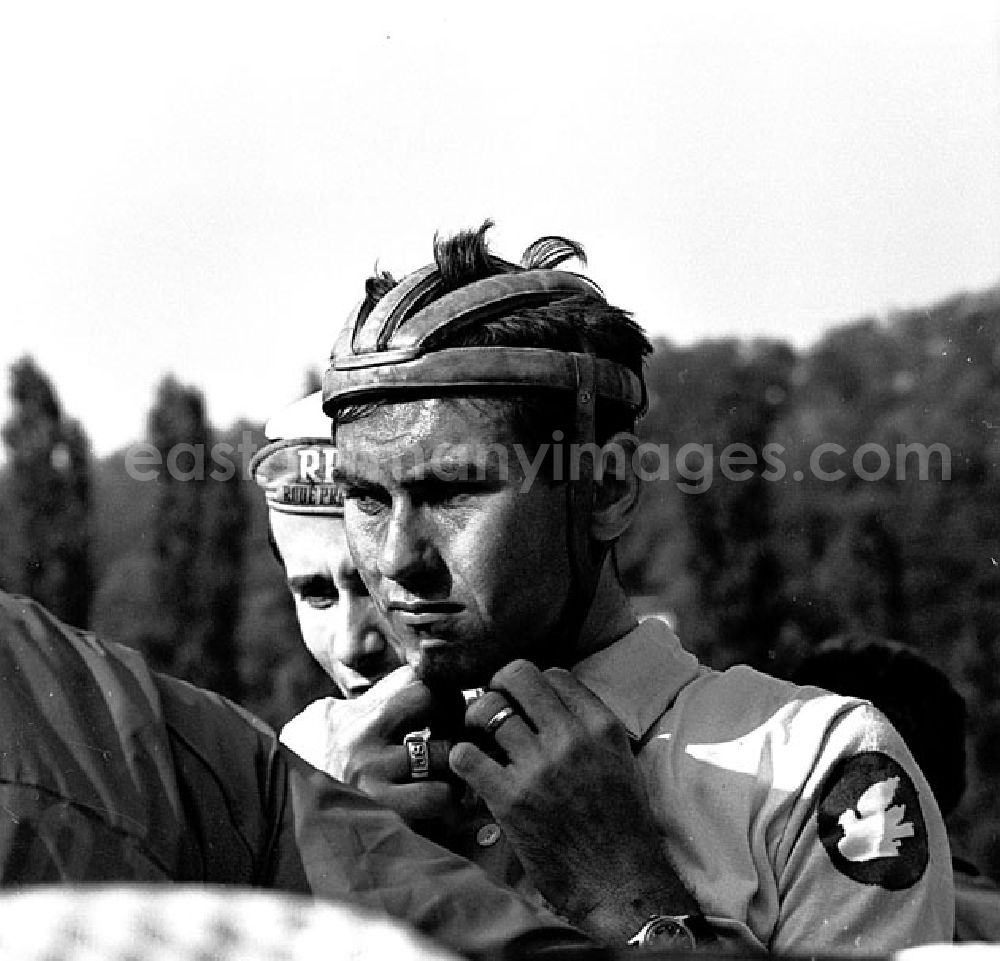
495	716
398	703
528	710
550	699
549	727
384	774
439	751
482	710
490	719
484	775
390	685
390	764
525	685
536	698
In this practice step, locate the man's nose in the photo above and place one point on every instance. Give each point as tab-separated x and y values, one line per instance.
359	640
406	554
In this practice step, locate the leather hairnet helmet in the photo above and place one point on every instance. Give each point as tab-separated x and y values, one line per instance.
398	350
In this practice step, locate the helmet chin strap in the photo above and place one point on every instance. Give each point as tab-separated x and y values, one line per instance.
580	490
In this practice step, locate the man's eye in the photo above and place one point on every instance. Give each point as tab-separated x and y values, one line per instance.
366	501
450	494
319	602
370	505
318	593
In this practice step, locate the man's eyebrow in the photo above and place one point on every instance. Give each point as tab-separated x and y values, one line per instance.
309	582
461	464
447	469
342	474
444	469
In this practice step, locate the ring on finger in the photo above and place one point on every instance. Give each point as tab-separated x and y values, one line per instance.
418	753
504	714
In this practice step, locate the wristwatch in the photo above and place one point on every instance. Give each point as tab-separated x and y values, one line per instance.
682	931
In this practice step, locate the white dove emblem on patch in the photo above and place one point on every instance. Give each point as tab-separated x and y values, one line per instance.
877	829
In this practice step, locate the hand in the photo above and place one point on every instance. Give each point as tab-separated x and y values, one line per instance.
364	747
571	801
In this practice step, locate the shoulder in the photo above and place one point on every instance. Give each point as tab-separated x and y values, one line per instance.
208	732
854	840
85	683
61	681
741	699
36	643
82	736
806	740
232	780
156	759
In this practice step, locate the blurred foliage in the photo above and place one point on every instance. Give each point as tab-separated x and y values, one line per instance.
761	569
175	592
46	523
187	573
757	566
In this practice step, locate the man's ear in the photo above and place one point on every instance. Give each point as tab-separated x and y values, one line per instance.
616	488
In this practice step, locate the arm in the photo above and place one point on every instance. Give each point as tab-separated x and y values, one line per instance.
571	801
863	863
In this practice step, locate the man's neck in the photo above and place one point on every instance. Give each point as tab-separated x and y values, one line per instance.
610	616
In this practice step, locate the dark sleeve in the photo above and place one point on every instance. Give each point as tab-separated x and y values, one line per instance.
86	780
261	815
46	839
353	850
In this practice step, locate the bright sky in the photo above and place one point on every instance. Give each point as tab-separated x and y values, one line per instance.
202	186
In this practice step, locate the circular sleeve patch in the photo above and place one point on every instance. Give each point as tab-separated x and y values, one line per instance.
870	822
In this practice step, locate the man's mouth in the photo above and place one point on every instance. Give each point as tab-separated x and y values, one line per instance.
417	614
361	683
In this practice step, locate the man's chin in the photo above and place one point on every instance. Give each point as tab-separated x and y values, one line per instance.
449	675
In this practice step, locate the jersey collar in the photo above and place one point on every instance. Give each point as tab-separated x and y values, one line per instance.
639	675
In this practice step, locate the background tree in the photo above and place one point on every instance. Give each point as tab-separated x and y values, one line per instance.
704	399
185	571
178	429
199	522
47	531
221	565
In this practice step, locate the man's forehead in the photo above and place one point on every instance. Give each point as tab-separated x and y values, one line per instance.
308	534
429	422
416	440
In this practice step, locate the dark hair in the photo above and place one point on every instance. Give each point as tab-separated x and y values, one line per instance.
902	685
581	323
